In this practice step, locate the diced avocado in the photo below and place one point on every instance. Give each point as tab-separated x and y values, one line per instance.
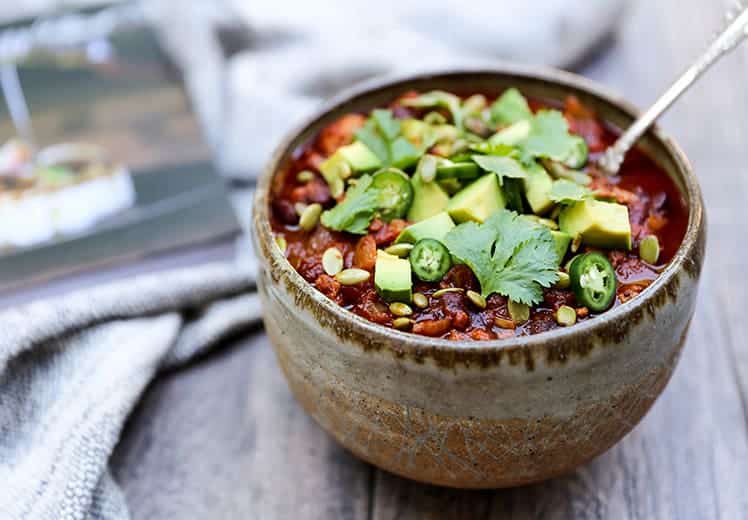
600	224
360	157
537	188
562	241
513	134
428	199
392	278
477	201
435	227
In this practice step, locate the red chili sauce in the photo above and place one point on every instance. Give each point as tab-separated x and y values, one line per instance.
654	202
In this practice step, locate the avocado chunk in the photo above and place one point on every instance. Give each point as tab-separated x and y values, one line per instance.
600	224
538	185
360	157
428	199
562	241
435	227
477	201
392	278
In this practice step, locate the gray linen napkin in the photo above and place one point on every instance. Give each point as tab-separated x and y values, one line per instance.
72	369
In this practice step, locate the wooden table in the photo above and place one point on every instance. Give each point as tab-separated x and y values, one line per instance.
225	439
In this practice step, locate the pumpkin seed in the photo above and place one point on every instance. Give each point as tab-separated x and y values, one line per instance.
442	292
649	249
566	316
310	216
504	323
474	104
420	300
477	299
563	280
518	311
305	176
401	250
352	276
280	241
402	323
400	309
434	118
300	207
427	168
332	261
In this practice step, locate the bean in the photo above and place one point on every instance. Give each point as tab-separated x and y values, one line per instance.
280	241
649	249
310	216
504	323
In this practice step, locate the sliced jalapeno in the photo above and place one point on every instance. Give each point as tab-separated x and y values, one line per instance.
396	192
457	170
593	281
430	260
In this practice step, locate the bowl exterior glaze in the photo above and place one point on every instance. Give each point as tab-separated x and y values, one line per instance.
489	414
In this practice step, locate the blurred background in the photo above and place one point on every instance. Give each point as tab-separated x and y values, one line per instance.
191	98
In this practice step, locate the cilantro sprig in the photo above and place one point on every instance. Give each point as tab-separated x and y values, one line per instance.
356	211
502	166
567	192
510	107
509	255
382	134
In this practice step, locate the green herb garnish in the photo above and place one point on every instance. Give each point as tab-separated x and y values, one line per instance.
509	255
356	211
501	166
382	133
549	137
566	192
438	98
510	107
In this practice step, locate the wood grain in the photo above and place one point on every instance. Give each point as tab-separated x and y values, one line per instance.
224	439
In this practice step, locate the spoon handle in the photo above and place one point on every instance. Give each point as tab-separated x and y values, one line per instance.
726	41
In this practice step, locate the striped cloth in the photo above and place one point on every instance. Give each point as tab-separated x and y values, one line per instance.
72	369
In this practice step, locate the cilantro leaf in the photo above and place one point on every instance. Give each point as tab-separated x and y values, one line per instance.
501	166
438	98
508	255
510	107
567	192
382	133
549	137
355	212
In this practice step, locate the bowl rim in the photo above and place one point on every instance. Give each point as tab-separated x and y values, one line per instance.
406	341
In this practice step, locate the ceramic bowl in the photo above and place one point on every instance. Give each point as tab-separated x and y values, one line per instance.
479	414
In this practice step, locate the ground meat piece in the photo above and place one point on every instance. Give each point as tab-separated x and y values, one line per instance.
389	232
582	312
620	195
482	335
583	122
433	328
456	335
328	286
374	311
365	255
541	321
339	133
460	276
628	291
555	298
376	225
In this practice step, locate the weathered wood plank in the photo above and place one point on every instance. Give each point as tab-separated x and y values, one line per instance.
225	439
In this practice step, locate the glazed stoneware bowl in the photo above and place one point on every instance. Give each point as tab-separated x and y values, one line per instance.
479	414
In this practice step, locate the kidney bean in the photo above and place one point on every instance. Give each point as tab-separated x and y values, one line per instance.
365	255
284	211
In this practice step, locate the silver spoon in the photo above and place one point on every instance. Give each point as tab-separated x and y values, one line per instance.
726	41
